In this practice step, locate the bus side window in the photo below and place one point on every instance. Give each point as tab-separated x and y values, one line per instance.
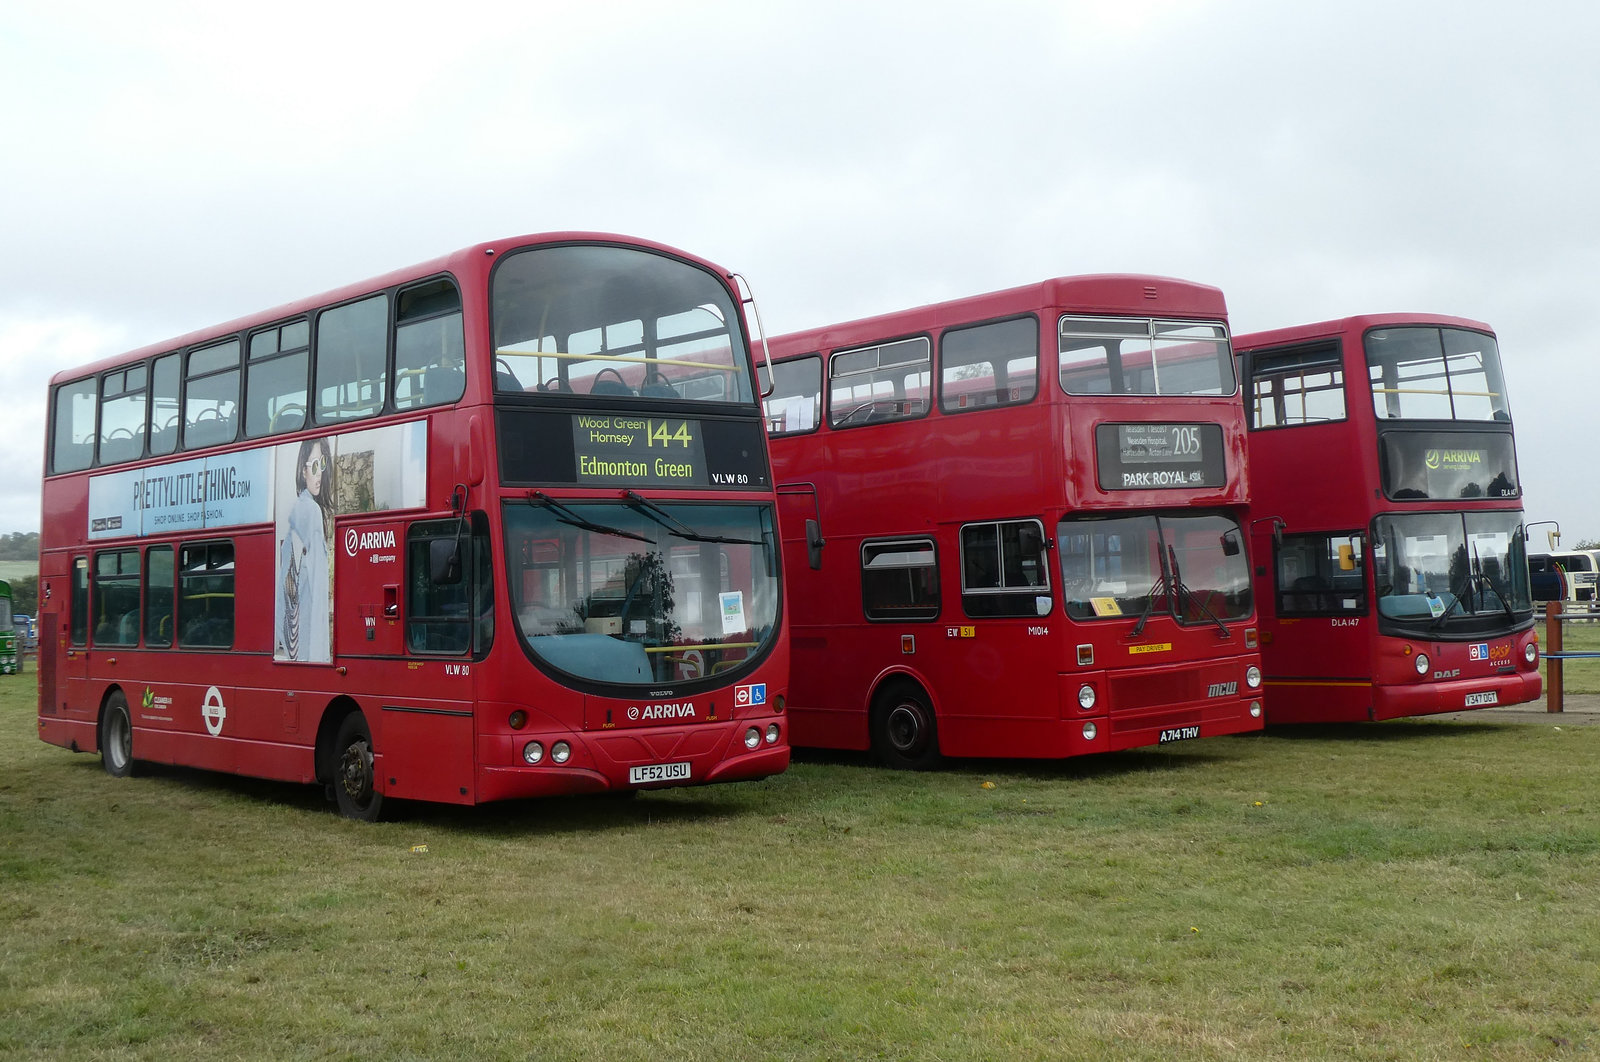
79	629
205	595
211	396
438	597
429	346
115	597
350	359
795	404
1321	574
900	580
158	597
1003	569
995	364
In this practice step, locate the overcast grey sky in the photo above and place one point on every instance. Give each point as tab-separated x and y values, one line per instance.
167	166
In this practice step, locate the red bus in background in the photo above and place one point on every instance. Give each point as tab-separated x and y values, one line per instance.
1012	524
1388	520
500	525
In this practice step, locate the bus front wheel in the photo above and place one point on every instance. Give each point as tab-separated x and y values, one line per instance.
116	737
905	734
355	788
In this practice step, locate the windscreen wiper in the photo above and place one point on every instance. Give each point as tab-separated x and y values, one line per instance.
1189	595
645	507
1498	592
1161	586
1439	620
567	516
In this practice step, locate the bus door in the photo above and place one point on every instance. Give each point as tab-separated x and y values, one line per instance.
409	607
1316	651
63	632
70	632
1001	641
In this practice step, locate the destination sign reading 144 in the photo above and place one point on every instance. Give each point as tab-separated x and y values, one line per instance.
639	451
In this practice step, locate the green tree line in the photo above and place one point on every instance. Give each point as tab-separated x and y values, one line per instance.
20	545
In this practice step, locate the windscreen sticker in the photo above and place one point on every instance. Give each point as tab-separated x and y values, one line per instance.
733	621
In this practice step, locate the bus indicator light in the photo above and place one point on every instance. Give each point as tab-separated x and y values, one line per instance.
908	644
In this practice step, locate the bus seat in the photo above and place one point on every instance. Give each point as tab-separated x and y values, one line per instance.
608	381
442	384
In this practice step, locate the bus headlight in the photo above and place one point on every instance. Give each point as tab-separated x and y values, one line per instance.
532	752
1422	663
1089	731
561	752
772	733
1255	709
1530	652
1086	696
752	738
1252	676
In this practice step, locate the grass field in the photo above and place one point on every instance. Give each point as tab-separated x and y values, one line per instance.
1403	890
10	570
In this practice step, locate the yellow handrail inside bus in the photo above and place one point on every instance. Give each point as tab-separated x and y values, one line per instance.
688	648
630	358
1425	391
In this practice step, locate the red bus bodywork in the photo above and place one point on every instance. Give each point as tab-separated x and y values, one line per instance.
1343	498
616	691
904	475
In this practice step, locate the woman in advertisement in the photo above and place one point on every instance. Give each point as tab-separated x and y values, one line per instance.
302	617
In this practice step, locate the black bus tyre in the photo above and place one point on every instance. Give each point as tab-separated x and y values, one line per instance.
905	734
355	785
116	737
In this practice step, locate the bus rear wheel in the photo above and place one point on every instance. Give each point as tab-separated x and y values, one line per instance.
116	737
355	785
905	734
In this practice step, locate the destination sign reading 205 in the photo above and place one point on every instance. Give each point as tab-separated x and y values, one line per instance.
639	451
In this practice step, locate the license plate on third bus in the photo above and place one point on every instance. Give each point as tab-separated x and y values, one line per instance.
1478	700
646	773
1179	733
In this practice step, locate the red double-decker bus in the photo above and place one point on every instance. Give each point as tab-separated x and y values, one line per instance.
499	525
1385	494
1013	524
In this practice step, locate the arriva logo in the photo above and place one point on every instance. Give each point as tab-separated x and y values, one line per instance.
1222	689
367	540
684	710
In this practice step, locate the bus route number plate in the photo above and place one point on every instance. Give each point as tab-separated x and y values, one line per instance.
1478	700
646	773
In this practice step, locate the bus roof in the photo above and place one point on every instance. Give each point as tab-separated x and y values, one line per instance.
1344	325
1098	293
456	263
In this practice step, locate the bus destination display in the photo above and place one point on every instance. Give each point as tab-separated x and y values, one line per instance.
601	449
657	452
1159	456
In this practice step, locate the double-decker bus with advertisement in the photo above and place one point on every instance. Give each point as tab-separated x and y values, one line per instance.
1013	524
500	525
1387	516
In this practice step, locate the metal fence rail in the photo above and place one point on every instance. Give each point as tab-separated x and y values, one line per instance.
1554	616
